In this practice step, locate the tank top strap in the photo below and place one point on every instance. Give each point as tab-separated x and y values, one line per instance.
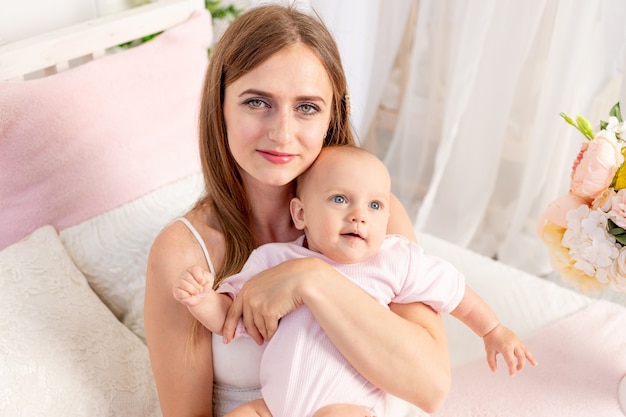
195	233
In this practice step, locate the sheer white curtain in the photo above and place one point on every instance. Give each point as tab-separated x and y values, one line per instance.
480	148
368	34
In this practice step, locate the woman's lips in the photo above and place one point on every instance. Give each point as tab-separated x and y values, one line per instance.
277	157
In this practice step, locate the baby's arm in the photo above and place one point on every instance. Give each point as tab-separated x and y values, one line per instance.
194	289
478	316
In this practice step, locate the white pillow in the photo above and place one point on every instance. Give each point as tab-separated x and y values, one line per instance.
62	352
112	249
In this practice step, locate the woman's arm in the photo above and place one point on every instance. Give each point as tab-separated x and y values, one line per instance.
402	351
183	372
436	348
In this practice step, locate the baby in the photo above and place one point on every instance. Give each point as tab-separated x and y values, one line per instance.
342	205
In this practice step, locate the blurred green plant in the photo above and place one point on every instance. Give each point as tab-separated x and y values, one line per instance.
215	7
218	11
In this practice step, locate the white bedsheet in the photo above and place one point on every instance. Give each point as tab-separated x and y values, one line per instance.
523	302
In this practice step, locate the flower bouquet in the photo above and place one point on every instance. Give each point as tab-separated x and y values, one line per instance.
585	230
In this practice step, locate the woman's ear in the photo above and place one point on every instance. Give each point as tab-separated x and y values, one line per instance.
297	213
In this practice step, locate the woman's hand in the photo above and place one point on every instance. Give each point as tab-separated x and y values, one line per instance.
269	296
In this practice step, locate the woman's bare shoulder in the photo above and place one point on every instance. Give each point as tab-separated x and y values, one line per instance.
399	220
176	246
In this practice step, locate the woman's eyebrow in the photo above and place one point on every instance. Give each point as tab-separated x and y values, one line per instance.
256	92
253	91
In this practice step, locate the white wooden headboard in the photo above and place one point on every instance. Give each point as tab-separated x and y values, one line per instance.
61	49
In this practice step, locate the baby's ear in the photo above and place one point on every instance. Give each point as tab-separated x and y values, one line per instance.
297	212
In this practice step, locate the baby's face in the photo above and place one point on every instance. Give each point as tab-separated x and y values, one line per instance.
344	205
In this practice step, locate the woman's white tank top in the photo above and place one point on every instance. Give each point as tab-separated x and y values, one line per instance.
235	365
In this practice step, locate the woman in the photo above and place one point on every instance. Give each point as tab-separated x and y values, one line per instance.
274	94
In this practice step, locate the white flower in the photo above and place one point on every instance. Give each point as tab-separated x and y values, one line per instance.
615	126
612	130
617	272
590	245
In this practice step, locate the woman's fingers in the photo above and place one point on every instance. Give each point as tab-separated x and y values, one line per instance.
233	315
264	299
256	328
250	321
238	310
270	328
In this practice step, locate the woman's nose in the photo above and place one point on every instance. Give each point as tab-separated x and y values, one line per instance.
281	130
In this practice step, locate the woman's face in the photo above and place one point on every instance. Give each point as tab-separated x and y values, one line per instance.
277	115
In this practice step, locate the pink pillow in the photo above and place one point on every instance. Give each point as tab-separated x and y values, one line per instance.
90	139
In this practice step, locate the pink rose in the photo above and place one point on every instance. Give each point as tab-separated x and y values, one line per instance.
594	168
557	210
618	208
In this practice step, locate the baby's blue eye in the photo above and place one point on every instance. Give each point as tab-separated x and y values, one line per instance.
339	199
375	205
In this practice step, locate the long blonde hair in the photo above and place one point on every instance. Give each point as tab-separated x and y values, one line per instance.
251	39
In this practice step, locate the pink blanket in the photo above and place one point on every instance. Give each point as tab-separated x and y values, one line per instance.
581	361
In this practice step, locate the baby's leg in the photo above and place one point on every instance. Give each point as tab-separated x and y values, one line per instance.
343	410
256	408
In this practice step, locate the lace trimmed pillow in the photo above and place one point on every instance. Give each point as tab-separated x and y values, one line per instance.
112	249
63	353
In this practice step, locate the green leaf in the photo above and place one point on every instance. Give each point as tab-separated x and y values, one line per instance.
621	239
617	232
603	124
616	112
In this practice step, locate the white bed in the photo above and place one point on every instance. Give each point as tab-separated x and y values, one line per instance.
87	180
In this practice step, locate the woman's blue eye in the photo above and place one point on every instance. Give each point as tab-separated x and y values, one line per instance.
308	108
339	199
256	103
375	205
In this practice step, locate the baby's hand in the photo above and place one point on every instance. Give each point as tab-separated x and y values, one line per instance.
193	286
503	341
